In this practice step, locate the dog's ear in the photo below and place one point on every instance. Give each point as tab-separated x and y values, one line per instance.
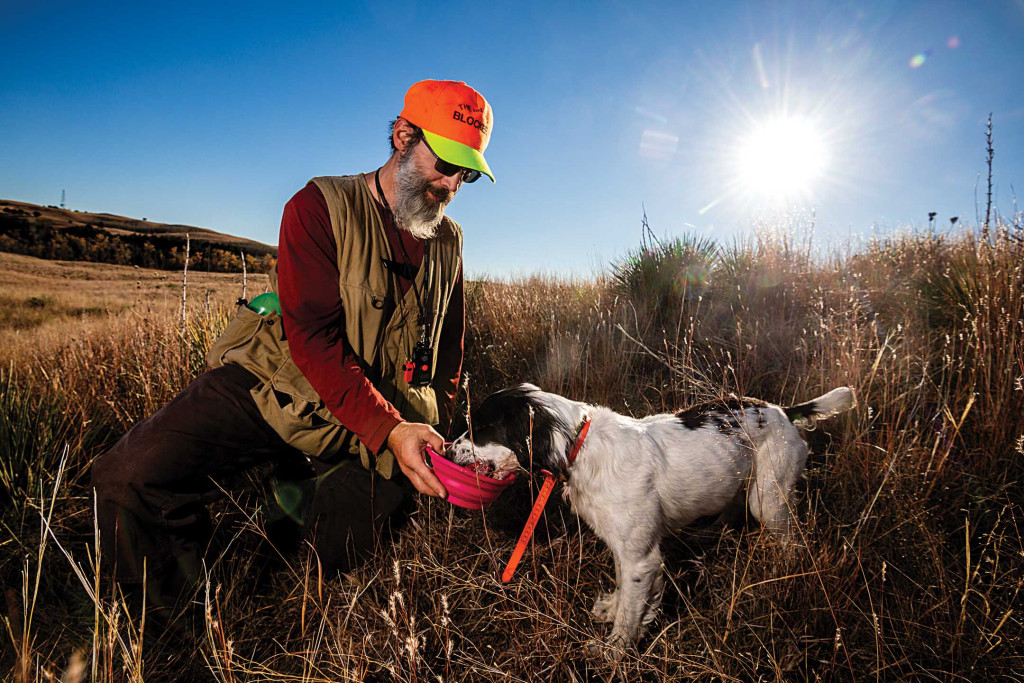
507	417
551	435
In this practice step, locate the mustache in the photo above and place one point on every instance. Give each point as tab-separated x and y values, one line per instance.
443	194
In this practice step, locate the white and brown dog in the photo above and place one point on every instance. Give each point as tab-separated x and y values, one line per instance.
634	481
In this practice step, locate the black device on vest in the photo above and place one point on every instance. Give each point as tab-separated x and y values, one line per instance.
417	370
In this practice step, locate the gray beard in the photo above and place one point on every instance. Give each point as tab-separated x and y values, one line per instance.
414	211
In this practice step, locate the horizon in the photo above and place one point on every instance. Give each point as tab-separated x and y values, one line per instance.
714	121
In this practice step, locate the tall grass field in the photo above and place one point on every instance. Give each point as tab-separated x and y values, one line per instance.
909	560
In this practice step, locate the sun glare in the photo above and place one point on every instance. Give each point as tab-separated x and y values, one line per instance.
780	160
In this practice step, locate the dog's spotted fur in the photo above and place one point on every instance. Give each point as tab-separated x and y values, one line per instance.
635	480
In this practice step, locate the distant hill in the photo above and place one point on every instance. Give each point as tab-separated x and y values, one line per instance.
54	233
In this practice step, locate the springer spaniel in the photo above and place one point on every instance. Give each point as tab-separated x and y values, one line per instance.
635	480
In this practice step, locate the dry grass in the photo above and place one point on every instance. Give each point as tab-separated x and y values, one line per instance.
911	559
46	302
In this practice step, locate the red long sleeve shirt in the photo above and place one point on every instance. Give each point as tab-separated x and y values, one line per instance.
314	320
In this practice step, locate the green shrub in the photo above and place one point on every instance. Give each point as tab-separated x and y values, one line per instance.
659	277
33	430
39	301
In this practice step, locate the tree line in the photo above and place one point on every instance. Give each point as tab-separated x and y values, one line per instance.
23	235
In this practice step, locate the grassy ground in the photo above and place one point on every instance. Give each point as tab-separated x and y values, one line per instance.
911	558
44	303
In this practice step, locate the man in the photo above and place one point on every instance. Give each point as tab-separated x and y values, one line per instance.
357	371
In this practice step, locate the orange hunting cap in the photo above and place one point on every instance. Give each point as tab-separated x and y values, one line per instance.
456	121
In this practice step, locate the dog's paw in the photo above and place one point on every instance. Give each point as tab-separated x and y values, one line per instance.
603	651
605	606
611	650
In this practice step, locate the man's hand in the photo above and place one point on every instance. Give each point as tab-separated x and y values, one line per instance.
407	441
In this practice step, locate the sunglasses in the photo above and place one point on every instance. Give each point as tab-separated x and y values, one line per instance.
469	175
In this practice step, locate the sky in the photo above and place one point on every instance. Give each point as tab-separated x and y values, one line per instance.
840	120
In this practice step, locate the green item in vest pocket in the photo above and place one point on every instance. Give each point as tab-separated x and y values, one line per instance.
265	303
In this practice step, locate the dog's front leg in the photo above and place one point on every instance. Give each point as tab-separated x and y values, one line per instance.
606	604
640	587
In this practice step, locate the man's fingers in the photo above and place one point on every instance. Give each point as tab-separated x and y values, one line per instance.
425	486
423	478
408	441
435	440
427	476
430	438
415	480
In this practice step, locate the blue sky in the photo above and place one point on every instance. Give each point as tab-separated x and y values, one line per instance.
214	114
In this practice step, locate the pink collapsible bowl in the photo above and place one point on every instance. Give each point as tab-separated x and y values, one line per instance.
466	488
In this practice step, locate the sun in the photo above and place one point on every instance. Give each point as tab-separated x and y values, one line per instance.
781	159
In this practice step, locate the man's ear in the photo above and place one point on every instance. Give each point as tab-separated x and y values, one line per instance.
403	135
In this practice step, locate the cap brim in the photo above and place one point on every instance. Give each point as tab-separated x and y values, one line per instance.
458	153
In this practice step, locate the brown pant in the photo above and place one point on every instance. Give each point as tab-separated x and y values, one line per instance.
153	486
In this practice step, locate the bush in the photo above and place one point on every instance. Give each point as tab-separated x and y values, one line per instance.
661	275
39	301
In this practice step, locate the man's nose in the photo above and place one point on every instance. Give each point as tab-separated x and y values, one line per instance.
452	182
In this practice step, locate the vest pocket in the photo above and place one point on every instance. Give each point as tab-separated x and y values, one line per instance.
289	380
419	404
299	423
366	312
290	405
284	396
237	336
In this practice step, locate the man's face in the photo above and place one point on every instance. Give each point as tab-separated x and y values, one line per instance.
421	193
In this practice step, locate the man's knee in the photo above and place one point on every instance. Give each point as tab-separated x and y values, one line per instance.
122	474
109	473
353	512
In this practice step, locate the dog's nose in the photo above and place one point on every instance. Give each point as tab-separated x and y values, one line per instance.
459	450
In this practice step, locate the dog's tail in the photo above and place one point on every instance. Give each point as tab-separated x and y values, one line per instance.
806	415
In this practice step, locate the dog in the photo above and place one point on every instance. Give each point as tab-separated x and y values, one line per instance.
635	480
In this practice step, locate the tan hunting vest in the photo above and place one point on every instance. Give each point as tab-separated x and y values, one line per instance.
381	327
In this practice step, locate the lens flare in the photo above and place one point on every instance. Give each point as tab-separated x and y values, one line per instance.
920	58
659	146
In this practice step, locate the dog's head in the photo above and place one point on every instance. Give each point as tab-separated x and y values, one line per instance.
513	424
